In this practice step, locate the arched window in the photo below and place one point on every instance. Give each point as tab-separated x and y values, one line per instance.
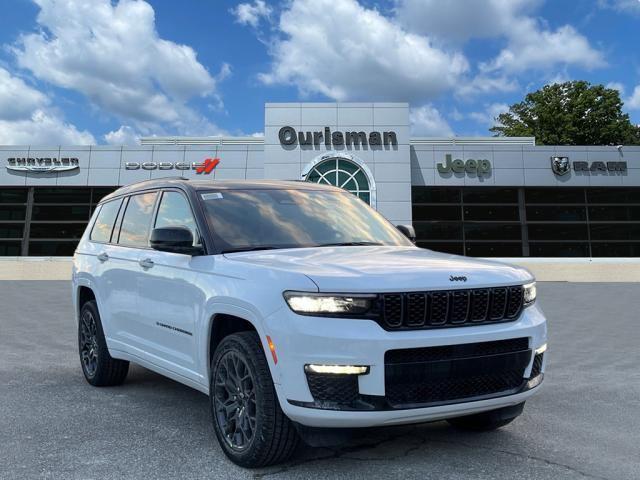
342	173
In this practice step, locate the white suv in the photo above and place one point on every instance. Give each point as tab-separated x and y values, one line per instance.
301	312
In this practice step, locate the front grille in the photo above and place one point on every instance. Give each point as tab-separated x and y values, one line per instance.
341	389
446	374
450	308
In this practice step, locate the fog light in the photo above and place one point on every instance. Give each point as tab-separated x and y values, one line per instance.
541	349
535	381
338	369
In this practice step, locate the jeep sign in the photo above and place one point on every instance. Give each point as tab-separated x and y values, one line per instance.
470	166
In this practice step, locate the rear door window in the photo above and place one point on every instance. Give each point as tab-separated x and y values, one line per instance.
134	231
103	227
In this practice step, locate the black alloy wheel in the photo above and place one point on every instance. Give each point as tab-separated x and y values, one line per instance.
235	401
89	343
100	369
251	428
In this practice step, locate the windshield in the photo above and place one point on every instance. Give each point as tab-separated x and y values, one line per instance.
263	219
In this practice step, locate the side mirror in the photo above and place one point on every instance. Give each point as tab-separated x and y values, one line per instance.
173	240
407	231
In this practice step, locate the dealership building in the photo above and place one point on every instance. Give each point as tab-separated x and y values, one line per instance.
487	197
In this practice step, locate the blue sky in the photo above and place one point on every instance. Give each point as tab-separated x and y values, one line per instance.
100	71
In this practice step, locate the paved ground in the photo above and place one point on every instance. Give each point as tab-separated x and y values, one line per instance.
585	423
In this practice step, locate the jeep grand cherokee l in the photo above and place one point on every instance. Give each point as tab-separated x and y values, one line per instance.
298	308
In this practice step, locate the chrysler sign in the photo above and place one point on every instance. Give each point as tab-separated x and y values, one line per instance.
42	164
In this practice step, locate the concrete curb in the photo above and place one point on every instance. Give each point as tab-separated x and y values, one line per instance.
544	269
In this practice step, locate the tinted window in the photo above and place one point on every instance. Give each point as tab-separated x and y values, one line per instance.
104	223
11	230
557	213
558	231
62	195
137	219
492	231
490	195
174	211
493	249
491	212
554	195
61	212
57	230
52	249
438	230
444	247
11	249
613	195
435	212
435	195
13	195
12	212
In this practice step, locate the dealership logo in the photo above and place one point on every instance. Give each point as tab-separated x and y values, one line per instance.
205	167
42	164
470	166
289	137
562	166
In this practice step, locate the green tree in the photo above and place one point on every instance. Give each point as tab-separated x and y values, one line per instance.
570	113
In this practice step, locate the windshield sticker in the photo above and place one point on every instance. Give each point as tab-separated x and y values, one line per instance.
211	196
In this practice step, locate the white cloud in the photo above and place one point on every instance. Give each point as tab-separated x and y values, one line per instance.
624	6
633	102
616	86
461	20
484	84
532	48
488	117
17	99
427	121
125	135
113	55
530	44
42	128
26	118
251	14
345	51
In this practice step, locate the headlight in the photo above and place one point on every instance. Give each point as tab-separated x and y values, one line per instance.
326	304
529	293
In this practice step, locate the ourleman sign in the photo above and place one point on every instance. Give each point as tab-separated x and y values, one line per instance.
470	166
288	136
562	166
42	164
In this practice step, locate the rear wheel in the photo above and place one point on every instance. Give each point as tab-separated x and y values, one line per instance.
487	421
99	368
250	426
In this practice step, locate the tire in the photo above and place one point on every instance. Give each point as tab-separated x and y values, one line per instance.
98	367
488	421
247	418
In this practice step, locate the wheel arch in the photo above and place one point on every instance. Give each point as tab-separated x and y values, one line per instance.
227	320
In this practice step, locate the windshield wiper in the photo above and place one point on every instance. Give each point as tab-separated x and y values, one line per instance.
349	244
251	249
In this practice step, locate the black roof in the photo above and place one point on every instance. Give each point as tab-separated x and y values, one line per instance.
197	185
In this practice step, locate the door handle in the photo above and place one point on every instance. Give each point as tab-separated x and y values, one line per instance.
146	263
103	257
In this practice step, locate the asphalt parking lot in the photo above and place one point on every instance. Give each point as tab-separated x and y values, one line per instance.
584	424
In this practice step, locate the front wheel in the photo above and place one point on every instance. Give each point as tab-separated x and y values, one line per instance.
247	418
487	421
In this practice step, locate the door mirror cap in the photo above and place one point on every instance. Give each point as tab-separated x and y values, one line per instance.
407	231
173	240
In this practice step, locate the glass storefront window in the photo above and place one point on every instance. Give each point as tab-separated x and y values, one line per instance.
52	248
12	212
13	195
62	195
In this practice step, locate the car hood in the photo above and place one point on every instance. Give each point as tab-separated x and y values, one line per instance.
385	269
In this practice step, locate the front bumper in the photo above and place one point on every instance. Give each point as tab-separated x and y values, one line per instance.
302	340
